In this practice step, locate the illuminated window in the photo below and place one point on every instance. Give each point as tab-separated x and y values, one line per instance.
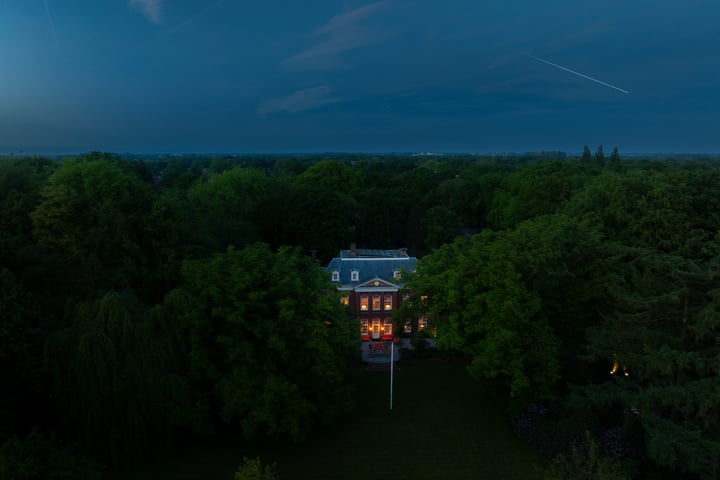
345	300
388	302
363	303
376	302
407	328
336	276
388	328
363	327
354	276
422	323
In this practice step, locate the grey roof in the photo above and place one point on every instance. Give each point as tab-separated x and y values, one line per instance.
370	264
371	253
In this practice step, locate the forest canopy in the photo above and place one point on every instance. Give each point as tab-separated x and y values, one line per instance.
143	300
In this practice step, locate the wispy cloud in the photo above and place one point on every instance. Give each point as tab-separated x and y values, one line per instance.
341	33
299	101
149	8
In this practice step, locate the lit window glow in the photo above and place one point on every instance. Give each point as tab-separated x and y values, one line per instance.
364	303
363	327
388	302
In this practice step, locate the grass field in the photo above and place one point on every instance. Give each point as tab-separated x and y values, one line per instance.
443	426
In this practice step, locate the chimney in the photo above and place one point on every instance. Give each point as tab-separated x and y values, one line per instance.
313	255
403	252
353	250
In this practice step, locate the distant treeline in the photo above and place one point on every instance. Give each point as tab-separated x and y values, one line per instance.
156	298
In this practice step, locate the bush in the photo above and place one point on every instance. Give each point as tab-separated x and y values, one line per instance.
40	456
253	469
587	461
419	343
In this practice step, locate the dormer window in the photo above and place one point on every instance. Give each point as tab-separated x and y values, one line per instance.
354	276
335	276
396	274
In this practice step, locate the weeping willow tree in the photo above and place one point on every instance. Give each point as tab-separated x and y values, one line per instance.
116	380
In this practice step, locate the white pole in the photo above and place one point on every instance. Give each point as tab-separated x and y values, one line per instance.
392	368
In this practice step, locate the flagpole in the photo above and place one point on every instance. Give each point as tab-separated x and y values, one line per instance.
392	368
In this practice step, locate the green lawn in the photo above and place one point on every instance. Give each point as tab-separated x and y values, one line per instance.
443	426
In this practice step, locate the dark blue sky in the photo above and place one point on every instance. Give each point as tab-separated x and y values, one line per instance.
395	75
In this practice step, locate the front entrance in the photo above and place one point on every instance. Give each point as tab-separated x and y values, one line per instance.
376	330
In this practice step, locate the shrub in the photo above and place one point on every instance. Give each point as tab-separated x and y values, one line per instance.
253	469
587	461
41	456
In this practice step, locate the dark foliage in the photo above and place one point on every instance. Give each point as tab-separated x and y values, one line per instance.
146	300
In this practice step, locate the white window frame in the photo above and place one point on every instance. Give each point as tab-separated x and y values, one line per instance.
335	276
354	276
366	299
387	328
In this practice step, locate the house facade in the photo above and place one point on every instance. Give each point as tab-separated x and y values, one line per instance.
370	282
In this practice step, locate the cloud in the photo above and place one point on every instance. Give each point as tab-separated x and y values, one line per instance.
149	8
342	32
299	101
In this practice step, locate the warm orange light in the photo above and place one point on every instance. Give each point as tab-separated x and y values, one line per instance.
614	368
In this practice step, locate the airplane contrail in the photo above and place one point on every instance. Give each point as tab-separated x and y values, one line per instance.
576	73
51	22
192	18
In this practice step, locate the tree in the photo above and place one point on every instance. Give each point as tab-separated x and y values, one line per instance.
672	212
93	212
332	175
268	341
116	383
441	226
43	456
533	190
660	348
512	299
600	156
22	334
221	209
319	219
586	157
20	183
479	305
